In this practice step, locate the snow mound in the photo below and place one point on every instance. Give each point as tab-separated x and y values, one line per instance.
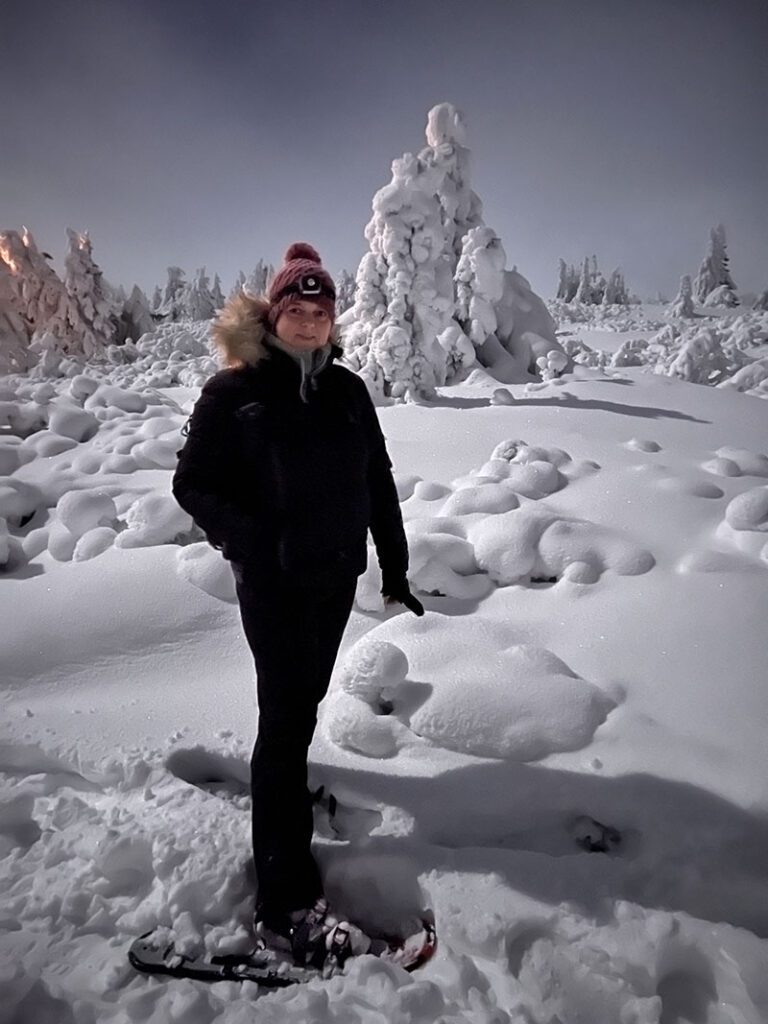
534	541
71	421
374	672
751	379
749	463
81	511
518	702
749	510
110	397
154	519
93	543
442	561
18	500
203	567
489	498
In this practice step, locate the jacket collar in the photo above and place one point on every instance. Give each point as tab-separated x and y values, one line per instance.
241	335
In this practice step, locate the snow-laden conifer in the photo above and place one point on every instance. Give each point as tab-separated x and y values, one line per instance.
172	307
568	282
404	333
14	336
404	295
584	291
682	304
43	299
216	293
615	290
238	286
196	301
256	284
562	280
94	327
136	317
345	292
715	274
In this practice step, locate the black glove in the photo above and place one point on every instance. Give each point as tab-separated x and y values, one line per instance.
401	593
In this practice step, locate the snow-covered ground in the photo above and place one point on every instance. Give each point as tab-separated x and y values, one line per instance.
593	556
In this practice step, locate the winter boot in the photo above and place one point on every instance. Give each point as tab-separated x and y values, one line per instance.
313	936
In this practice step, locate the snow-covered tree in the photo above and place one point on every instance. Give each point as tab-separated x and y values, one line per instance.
43	299
584	291
196	302
714	272
171	308
216	293
345	292
404	332
761	302
136	317
238	286
14	335
157	299
408	274
568	282
256	284
615	290
96	323
562	279
682	304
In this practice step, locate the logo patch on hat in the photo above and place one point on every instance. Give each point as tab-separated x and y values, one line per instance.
309	284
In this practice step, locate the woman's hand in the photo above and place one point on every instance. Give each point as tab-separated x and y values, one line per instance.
401	594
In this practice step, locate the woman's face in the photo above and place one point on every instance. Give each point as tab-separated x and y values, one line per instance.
303	325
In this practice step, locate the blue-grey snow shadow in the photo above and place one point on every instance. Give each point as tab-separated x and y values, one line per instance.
688	850
647	412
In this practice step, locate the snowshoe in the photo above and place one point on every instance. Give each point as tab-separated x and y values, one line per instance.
154	953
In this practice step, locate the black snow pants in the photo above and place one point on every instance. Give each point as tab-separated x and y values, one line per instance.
294	634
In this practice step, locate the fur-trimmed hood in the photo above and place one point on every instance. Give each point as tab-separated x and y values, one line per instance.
240	329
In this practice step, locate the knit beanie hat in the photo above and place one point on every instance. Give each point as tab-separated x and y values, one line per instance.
302	276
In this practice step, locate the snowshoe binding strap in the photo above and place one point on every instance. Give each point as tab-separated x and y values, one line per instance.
308	937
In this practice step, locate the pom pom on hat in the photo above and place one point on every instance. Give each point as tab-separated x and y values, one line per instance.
301	251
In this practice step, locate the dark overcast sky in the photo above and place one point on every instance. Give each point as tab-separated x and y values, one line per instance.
211	133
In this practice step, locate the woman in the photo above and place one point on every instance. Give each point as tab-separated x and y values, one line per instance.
285	469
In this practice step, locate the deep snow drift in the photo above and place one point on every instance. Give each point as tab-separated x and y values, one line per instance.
592	553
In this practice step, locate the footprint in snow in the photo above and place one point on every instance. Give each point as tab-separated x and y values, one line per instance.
686	985
210	771
335	819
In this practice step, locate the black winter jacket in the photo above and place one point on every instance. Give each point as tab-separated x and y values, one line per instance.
287	487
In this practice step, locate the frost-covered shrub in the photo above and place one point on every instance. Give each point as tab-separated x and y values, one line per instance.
630	353
704	359
751	379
